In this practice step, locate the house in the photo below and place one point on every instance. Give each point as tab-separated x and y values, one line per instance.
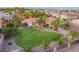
29	21
65	15
74	25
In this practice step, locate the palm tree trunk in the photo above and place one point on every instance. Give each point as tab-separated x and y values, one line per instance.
67	15
21	17
72	38
60	14
56	29
69	45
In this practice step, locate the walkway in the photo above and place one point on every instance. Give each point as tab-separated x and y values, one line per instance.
75	48
10	46
1	41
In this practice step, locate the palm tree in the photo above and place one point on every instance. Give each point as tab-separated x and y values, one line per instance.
36	13
40	15
41	20
60	14
19	13
28	14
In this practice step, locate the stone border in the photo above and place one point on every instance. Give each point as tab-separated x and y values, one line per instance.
1	41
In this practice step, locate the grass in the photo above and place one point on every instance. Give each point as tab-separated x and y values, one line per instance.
28	38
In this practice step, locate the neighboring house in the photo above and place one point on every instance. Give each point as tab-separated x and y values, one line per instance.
30	21
74	25
65	15
61	15
7	17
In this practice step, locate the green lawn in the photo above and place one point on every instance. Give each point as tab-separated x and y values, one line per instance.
28	38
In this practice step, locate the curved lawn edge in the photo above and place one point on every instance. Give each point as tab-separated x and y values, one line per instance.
29	38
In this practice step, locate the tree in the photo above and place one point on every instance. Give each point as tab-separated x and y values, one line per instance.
28	14
64	24
9	29
59	14
36	13
16	22
56	24
19	12
73	34
41	20
60	40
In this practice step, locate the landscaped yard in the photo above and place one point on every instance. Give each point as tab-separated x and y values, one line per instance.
29	38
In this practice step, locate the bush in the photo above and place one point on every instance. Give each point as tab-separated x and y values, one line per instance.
16	22
61	41
10	29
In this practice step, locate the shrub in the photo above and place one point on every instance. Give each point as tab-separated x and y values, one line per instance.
10	29
61	40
